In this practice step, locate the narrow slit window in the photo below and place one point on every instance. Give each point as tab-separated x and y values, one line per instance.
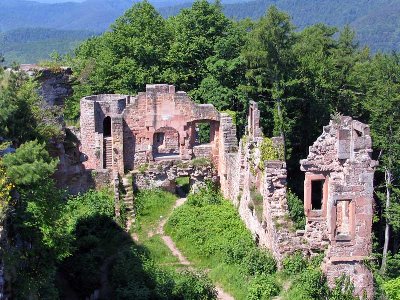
107	127
317	194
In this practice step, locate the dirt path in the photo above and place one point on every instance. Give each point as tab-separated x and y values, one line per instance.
177	253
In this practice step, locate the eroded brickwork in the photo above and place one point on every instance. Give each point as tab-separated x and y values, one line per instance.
154	136
154	124
339	200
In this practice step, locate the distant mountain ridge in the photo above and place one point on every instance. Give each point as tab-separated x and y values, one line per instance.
376	22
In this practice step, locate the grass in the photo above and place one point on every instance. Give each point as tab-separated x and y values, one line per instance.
211	234
231	278
151	206
158	252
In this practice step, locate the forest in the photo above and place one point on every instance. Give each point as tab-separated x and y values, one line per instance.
375	22
300	78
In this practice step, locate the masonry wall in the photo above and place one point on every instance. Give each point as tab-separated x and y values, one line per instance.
341	158
134	141
339	214
341	227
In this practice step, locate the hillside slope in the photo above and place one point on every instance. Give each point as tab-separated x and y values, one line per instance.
33	44
375	21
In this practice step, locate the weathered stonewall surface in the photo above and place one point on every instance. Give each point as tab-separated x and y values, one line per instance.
154	136
338	200
55	84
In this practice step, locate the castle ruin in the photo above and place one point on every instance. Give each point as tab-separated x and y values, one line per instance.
155	137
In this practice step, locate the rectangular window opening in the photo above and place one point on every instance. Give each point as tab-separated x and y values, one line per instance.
317	194
343	219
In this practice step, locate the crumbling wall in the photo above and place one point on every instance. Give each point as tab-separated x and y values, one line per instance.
257	188
153	124
342	224
55	83
163	174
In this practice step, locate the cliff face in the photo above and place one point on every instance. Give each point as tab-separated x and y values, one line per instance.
55	84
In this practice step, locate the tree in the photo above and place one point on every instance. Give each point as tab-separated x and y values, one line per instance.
30	164
378	84
124	59
196	31
269	57
23	114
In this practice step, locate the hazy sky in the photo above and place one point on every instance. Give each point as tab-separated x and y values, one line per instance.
57	1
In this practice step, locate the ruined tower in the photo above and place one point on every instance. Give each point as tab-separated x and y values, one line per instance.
338	200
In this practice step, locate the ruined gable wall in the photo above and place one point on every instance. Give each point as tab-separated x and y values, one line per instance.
341	156
157	108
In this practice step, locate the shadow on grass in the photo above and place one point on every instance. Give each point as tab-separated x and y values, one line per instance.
107	262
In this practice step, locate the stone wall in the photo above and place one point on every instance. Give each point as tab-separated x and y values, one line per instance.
341	160
164	173
158	122
339	215
55	84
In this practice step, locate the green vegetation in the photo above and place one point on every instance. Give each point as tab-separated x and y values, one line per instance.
296	210
184	184
299	77
269	151
210	233
31	45
152	206
257	202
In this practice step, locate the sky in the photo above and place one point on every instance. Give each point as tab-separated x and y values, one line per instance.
58	1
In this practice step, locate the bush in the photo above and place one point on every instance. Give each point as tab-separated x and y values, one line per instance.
294	264
207	195
392	289
393	266
343	290
313	282
258	262
194	286
262	287
296	210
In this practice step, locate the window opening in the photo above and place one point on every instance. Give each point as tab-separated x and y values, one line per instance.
160	137
317	194
343	218
107	127
203	133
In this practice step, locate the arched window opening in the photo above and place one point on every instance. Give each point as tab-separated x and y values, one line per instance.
107	127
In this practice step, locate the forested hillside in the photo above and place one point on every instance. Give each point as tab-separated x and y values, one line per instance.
301	78
375	22
34	44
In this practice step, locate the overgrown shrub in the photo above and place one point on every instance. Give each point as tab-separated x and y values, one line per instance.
207	195
343	290
296	210
294	264
269	152
262	287
194	286
392	289
313	283
259	261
